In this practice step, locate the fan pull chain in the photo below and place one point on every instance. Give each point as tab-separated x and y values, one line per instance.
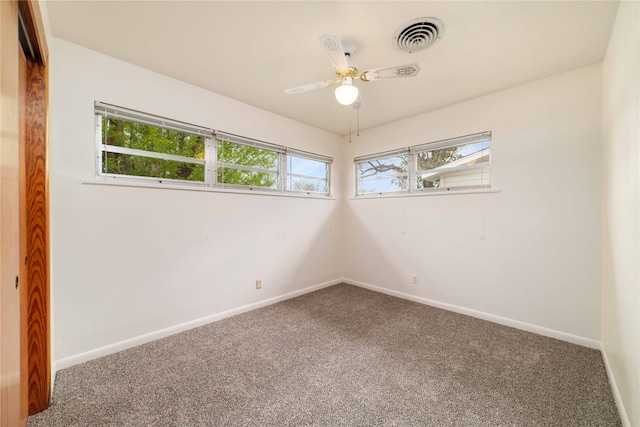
350	114
351	121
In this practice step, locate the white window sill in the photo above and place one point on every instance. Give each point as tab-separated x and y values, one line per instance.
423	193
204	189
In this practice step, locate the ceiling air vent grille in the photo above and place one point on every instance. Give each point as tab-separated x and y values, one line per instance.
418	34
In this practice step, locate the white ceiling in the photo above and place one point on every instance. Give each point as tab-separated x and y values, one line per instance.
252	51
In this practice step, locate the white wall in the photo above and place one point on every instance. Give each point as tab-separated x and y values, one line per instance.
125	261
539	266
621	213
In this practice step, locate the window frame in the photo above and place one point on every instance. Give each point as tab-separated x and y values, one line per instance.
106	110
247	142
381	156
412	154
210	161
289	152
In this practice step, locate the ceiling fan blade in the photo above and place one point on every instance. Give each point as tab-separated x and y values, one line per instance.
311	86
409	70
333	46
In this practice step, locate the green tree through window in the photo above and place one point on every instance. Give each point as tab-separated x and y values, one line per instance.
240	164
137	136
136	146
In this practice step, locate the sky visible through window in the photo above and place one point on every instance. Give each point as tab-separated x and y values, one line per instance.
467	149
303	166
306	175
387	183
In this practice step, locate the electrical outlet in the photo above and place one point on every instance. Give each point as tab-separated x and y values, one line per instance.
415	279
258	284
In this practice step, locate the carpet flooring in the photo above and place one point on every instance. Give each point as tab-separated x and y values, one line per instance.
336	357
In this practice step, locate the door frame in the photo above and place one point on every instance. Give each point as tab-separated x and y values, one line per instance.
34	206
10	325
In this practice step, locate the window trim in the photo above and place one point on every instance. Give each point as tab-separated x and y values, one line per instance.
150	154
308	156
449	142
412	167
150	119
247	142
382	156
210	160
107	110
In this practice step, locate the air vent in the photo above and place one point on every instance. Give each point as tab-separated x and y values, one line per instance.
418	34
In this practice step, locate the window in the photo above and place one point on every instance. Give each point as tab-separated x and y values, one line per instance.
307	173
383	173
134	144
453	164
246	163
137	146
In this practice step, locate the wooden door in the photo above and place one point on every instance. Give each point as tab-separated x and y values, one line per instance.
34	225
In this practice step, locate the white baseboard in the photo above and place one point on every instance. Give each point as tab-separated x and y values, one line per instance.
142	339
540	330
614	387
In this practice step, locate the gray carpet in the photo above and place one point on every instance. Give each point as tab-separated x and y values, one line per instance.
340	356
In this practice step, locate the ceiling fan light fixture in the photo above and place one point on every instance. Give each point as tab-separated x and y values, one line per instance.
346	93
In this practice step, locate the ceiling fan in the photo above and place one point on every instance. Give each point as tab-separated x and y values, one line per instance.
346	72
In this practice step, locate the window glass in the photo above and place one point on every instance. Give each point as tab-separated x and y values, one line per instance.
127	164
465	165
136	146
458	163
240	164
136	149
383	175
307	175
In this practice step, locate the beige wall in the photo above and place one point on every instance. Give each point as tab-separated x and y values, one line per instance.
133	264
528	255
621	215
